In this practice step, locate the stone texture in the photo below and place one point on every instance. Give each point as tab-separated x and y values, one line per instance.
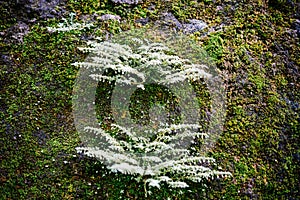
127	1
110	17
194	25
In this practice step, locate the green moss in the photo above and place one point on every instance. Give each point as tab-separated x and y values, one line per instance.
260	141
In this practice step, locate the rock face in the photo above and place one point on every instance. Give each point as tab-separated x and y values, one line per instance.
42	8
17	32
110	17
127	1
194	25
26	12
167	19
296	26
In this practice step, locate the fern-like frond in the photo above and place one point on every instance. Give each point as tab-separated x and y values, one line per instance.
162	158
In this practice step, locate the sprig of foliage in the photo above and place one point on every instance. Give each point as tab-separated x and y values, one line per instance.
163	158
69	25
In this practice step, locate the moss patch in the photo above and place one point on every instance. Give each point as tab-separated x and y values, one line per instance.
258	52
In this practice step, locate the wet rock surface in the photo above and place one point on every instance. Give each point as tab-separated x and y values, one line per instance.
16	33
167	19
110	17
194	25
31	10
296	27
127	1
26	13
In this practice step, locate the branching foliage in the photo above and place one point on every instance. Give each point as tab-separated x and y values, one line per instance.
166	157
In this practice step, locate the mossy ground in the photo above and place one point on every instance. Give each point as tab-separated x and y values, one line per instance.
258	52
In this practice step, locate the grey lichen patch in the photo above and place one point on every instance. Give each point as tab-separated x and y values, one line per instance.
16	33
194	25
167	19
107	17
127	1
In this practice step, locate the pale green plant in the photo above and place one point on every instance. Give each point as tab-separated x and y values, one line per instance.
152	160
69	25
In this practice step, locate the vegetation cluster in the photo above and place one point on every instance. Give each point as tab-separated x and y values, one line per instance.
255	44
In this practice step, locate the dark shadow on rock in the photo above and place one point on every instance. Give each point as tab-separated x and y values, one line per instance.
23	13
